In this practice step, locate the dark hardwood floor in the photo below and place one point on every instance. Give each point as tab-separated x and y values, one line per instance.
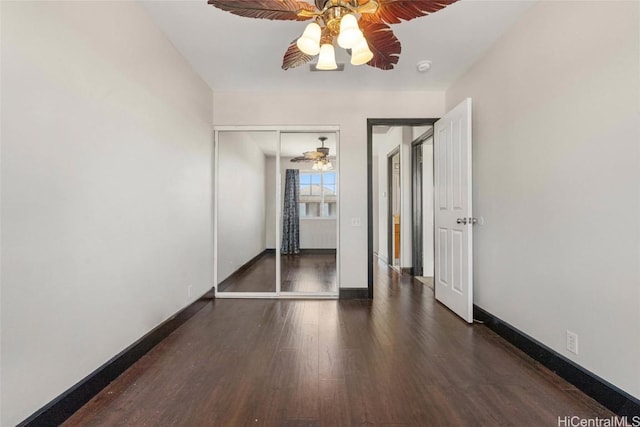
401	359
307	272
258	276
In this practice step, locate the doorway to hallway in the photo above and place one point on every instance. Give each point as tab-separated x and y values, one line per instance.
401	196
452	212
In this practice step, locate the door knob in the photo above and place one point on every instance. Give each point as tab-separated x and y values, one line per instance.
461	220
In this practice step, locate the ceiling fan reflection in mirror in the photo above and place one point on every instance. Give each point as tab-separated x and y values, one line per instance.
360	26
320	157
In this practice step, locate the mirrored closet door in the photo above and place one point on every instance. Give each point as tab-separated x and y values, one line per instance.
308	170
276	212
245	247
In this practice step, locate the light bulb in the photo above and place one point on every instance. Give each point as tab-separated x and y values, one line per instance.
309	42
350	33
327	59
361	54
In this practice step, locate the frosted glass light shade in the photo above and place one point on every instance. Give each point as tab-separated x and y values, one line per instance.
327	59
322	165
361	54
350	33
309	42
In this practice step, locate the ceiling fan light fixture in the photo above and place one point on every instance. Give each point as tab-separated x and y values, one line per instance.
322	165
361	54
309	42
350	33
362	26
327	58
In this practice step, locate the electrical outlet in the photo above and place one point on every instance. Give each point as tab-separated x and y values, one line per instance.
572	342
189	289
355	222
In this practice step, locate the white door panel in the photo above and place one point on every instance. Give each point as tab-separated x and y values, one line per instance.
454	263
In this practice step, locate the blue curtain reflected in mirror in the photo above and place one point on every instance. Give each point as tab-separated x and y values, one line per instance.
291	214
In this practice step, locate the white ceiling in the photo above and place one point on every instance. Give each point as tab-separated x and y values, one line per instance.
293	144
234	53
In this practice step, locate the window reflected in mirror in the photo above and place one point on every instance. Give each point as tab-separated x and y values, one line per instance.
318	195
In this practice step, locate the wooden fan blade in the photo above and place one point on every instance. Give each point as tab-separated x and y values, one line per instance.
284	10
395	11
383	44
313	155
294	57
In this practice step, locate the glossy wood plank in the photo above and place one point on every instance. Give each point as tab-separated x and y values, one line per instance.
258	275
306	272
401	359
309	272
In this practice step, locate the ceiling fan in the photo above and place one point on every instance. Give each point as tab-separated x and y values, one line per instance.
320	157
360	26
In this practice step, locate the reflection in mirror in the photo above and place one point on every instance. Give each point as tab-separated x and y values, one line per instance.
308	170
246	255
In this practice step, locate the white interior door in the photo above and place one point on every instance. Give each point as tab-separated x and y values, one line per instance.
453	215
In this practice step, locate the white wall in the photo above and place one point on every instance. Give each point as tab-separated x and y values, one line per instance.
106	191
241	201
318	233
350	112
270	213
406	213
557	180
376	196
428	248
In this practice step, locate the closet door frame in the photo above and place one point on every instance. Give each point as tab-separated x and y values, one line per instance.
277	130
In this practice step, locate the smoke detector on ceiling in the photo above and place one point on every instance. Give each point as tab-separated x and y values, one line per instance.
424	66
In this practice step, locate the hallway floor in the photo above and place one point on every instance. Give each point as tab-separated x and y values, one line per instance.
401	359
